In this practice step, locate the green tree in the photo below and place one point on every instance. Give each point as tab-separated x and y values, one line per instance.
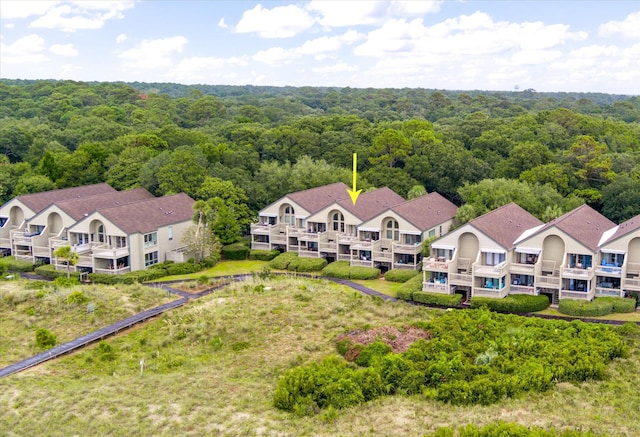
233	198
184	172
124	173
389	148
621	199
66	254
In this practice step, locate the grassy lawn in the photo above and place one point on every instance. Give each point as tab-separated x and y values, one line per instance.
380	285
211	368
28	305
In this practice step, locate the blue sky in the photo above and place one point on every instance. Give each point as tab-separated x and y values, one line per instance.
584	46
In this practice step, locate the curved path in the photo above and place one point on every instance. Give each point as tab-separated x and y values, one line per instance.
121	325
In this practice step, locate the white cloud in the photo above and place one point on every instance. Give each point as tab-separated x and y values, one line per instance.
205	68
275	55
357	13
340	67
12	9
153	53
63	50
279	22
121	38
27	49
222	24
72	16
629	27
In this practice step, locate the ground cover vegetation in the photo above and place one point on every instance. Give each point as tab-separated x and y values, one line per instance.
215	366
32	313
237	149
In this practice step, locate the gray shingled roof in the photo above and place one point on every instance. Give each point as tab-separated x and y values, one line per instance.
426	211
371	203
584	224
631	225
39	201
80	207
314	199
148	215
505	224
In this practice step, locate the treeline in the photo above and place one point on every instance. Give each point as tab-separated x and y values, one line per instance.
243	147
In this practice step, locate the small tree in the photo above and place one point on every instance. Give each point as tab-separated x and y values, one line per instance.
200	240
69	256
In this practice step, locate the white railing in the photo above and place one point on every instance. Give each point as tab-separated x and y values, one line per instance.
606	291
110	252
278	239
5	242
522	268
403	266
489	292
119	271
577	273
346	239
608	271
570	294
361	245
261	229
308	253
411	249
41	251
460	279
633	283
344	257
522	289
362	263
436	287
433	264
382	256
548	281
81	248
259	246
493	271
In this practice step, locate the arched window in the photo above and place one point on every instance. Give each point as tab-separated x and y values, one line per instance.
101	234
337	221
393	231
289	215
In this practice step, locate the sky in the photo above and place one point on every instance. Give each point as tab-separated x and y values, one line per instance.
554	45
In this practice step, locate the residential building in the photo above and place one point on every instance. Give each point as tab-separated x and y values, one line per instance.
381	229
475	258
111	231
618	272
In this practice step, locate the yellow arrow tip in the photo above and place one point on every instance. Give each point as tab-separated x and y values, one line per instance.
354	195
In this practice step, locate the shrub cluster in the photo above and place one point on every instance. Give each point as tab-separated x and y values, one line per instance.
444	300
281	262
343	270
263	255
401	275
300	264
45	339
49	271
600	306
406	290
235	252
472	357
515	303
10	264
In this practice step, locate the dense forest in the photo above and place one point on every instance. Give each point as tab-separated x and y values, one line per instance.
239	148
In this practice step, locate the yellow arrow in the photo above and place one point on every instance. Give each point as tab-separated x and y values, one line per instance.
354	193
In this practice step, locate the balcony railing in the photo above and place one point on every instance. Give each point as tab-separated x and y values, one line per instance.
436	287
436	265
489	292
460	279
522	289
631	284
259	229
608	271
411	249
578	273
362	263
105	251
259	246
308	253
405	266
41	251
497	271
526	269
583	295
346	239
5	242
117	271
379	255
548	281
344	257
607	291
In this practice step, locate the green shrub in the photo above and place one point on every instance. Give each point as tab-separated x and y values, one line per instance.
183	268
583	308
63	281
235	252
406	290
281	262
445	300
401	275
363	273
338	269
49	271
263	255
10	264
45	339
77	298
131	277
515	303
620	304
300	264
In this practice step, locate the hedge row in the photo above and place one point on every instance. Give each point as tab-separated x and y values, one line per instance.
263	255
10	264
515	303
343	270
406	290
281	262
600	306
400	275
445	300
49	271
235	252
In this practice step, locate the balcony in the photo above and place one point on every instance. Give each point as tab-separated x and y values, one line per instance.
344	257
260	229
463	279
496	271
259	246
608	291
104	251
361	245
435	287
522	289
118	271
578	273
41	251
409	249
548	281
308	253
490	292
631	284
581	295
607	270
523	269
436	265
346	239
361	263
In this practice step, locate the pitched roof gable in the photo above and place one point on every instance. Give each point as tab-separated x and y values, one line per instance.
314	199
39	201
631	225
80	207
426	211
584	224
148	215
371	203
505	224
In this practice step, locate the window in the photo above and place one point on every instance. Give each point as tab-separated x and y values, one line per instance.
3	220
150	239
289	216
82	238
101	238
432	233
170	233
337	221
150	258
493	259
393	232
